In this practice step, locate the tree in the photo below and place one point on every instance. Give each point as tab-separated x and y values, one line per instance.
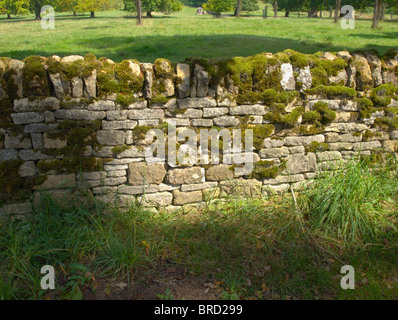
247	6
164	6
36	5
66	6
14	7
92	6
219	6
377	13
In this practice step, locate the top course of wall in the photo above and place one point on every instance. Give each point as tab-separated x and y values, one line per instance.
79	123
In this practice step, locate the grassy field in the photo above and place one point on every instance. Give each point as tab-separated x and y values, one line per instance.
184	34
256	248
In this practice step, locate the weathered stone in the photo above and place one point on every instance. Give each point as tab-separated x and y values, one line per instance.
288	82
240	187
21	105
274	153
16	78
328	156
55	143
340	146
71	58
148	122
185	176
160	199
297	149
214	112
299	163
202	122
17	142
77	87
305	78
276	189
198	186
202	81
122	124
168	187
102	105
27	169
141	173
284	179
272	143
59	85
16	209
114	181
196	103
390	145
148	81
32	155
345	127
37	140
146	114
49	117
90	85
116	115
142	104
79	114
341	78
191	113
347	137
303	140
111	137
184	76
226	121
241	158
375	67
180	198
27	117
366	145
219	172
39	127
394	135
57	181
8	154
364	78
94	175
248	110
144	189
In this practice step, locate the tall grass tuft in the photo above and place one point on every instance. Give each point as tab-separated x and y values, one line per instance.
355	202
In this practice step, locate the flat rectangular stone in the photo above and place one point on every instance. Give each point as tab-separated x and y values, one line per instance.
198	186
32	155
8	154
75	114
120	124
244	110
274	153
102	105
40	127
138	189
146	114
117	115
27	117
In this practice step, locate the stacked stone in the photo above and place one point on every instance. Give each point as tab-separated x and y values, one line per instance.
127	176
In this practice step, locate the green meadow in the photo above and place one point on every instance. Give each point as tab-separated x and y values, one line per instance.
115	35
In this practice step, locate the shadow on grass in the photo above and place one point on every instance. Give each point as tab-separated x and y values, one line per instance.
179	47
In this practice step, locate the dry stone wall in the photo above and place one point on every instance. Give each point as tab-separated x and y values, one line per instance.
76	127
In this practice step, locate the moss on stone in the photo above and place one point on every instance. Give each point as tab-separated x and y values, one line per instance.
260	132
311	116
331	92
264	169
119	149
310	129
316	146
34	77
125	99
383	94
159	98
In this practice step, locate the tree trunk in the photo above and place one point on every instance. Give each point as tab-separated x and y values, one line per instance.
312	13
330	12
275	5
238	8
74	13
377	13
37	11
149	14
139	13
287	12
337	11
320	13
92	14
298	14
8	16
383	10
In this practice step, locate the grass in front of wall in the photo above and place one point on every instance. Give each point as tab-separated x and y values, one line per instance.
115	35
263	248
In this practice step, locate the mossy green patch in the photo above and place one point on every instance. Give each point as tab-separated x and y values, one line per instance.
264	169
331	92
316	146
79	136
120	149
383	94
260	132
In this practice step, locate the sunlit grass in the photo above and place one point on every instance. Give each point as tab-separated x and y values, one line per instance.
184	34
